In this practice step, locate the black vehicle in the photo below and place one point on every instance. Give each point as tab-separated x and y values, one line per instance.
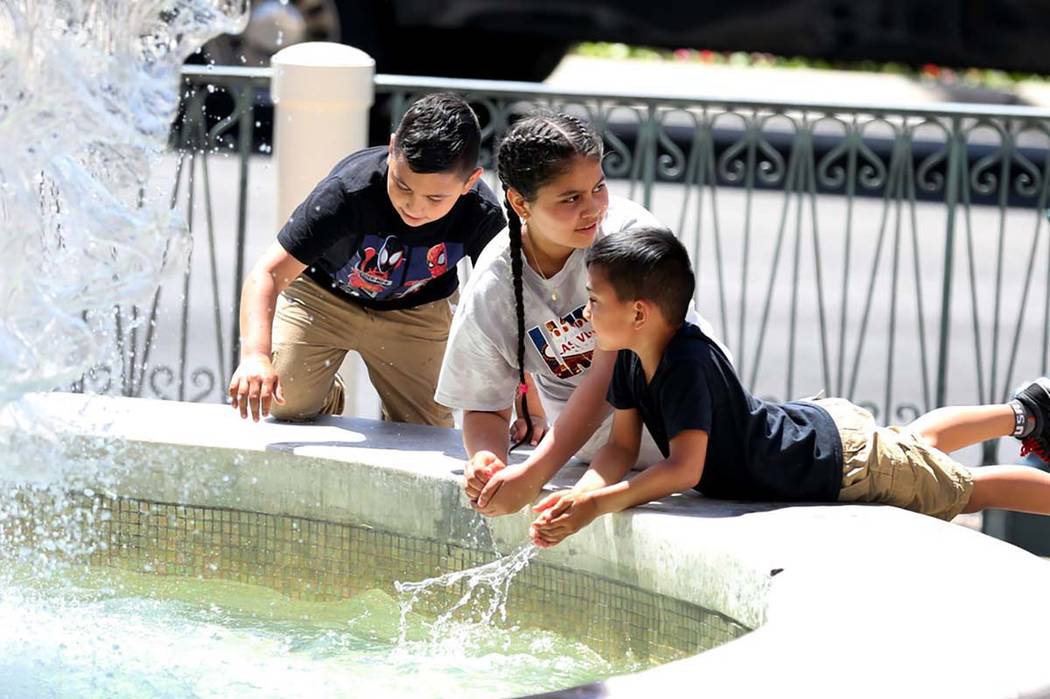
525	39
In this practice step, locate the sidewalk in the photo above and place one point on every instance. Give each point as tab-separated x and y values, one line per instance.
694	80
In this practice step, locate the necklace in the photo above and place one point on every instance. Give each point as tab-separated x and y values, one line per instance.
544	277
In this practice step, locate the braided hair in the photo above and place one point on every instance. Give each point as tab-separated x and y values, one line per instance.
534	151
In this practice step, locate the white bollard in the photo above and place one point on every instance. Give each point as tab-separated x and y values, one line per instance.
321	92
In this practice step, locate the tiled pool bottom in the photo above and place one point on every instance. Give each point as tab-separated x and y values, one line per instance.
319	561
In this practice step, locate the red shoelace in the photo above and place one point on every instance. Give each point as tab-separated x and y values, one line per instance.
1031	446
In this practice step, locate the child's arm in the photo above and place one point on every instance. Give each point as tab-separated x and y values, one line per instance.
255	383
610	464
485	440
583	413
614	460
572	511
677	473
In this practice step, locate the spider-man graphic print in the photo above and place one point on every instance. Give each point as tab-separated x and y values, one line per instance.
385	267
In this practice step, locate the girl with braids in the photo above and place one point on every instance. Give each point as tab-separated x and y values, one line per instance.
521	314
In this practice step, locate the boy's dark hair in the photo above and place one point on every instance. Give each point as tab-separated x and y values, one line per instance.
439	133
647	263
534	151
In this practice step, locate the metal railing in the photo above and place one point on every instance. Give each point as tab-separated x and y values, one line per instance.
894	256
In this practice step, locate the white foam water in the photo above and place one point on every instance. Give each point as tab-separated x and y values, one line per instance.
88	92
491	579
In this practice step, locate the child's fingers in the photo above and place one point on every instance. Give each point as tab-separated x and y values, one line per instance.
488	492
561	524
239	396
517	430
546	502
478	479
254	400
560	508
554	531
547	527
265	396
545	539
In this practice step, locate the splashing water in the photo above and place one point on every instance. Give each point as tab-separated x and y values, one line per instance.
88	91
492	578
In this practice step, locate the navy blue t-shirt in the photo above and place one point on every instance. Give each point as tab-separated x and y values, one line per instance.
355	244
756	450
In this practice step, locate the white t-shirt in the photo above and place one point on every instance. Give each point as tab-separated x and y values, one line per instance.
480	368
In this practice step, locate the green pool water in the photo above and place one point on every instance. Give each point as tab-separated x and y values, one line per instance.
113	597
124	634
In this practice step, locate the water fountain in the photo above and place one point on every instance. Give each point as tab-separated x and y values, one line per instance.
113	583
166	549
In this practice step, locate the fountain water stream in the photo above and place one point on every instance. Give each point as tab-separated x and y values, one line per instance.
88	92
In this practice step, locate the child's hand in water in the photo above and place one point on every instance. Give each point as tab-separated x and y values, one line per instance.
509	490
481	467
561	514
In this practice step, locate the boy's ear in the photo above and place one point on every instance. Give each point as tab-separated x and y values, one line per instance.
471	181
390	146
641	313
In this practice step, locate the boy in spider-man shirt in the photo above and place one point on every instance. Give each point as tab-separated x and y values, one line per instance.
355	268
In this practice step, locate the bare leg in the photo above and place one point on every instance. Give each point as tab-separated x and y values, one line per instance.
1019	488
953	428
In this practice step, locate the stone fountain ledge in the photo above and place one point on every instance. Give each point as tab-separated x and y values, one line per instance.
847	600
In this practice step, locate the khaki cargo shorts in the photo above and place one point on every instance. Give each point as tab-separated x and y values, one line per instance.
894	466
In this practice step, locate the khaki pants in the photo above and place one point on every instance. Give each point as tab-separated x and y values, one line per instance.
893	466
313	330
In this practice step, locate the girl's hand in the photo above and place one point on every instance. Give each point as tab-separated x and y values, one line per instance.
478	471
518	427
508	491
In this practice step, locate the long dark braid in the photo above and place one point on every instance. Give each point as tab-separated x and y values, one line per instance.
536	150
514	229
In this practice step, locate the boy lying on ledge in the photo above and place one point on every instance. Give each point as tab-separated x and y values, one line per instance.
721	440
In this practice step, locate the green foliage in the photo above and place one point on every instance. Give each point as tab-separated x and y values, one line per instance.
976	77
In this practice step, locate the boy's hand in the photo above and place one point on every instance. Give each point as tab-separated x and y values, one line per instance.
479	469
561	514
518	427
254	386
508	491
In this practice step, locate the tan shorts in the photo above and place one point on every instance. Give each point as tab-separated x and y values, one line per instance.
313	329
894	466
